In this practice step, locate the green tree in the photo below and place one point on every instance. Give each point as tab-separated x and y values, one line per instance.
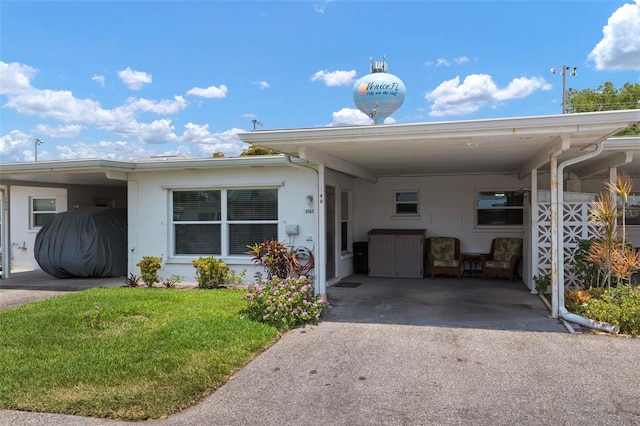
606	98
257	150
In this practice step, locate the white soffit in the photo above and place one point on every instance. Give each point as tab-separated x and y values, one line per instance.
481	146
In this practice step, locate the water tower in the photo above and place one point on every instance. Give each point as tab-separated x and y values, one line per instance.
378	94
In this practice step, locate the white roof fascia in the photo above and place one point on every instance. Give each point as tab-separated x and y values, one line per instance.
555	124
622	143
66	165
604	164
207	163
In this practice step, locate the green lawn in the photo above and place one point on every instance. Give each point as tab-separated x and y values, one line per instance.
124	353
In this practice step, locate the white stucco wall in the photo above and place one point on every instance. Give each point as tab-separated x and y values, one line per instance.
446	207
149	215
23	237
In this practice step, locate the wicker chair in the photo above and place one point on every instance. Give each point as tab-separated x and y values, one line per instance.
444	256
503	259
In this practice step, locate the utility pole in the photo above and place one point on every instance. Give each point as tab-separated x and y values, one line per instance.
573	72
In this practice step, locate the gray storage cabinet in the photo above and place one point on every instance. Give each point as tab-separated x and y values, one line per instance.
396	253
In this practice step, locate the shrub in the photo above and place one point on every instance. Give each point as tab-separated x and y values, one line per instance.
585	271
210	272
233	279
149	266
132	280
542	283
619	306
284	303
575	297
274	256
171	281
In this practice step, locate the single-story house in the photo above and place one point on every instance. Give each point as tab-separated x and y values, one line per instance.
528	177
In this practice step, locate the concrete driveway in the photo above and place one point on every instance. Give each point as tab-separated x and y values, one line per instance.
379	362
31	286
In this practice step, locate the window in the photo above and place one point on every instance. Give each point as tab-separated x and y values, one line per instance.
344	222
223	221
499	208
252	215
196	222
42	210
406	203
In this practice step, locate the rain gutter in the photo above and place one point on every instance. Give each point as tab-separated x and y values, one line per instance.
560	310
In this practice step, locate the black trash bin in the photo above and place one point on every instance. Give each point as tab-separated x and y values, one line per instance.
361	257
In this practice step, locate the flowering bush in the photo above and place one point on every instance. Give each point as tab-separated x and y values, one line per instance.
283	302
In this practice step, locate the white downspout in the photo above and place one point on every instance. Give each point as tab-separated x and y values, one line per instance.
5	230
561	310
533	244
320	256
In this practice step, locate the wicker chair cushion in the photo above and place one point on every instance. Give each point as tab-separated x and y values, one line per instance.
443	250
445	263
504	250
497	264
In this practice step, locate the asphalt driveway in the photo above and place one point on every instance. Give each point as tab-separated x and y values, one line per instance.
389	369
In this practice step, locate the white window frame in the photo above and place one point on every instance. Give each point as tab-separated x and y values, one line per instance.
396	203
33	213
490	226
223	221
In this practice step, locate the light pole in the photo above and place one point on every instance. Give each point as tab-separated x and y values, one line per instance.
35	145
572	73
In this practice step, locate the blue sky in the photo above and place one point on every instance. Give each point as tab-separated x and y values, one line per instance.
127	80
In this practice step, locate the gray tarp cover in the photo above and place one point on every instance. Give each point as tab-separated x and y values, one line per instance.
84	243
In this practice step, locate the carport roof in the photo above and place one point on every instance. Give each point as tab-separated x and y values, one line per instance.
508	145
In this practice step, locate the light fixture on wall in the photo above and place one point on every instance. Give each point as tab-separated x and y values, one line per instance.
310	199
573	71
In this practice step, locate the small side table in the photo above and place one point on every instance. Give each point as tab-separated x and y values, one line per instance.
472	264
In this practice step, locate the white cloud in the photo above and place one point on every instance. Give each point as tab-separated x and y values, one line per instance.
335	78
15	78
63	106
350	117
521	87
16	146
108	150
134	79
321	6
99	79
209	92
262	84
619	48
443	62
208	143
157	132
164	106
477	90
67	131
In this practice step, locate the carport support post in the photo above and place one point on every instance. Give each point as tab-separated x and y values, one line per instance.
555	307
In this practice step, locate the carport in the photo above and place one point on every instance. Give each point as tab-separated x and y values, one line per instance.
528	148
441	302
85	183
